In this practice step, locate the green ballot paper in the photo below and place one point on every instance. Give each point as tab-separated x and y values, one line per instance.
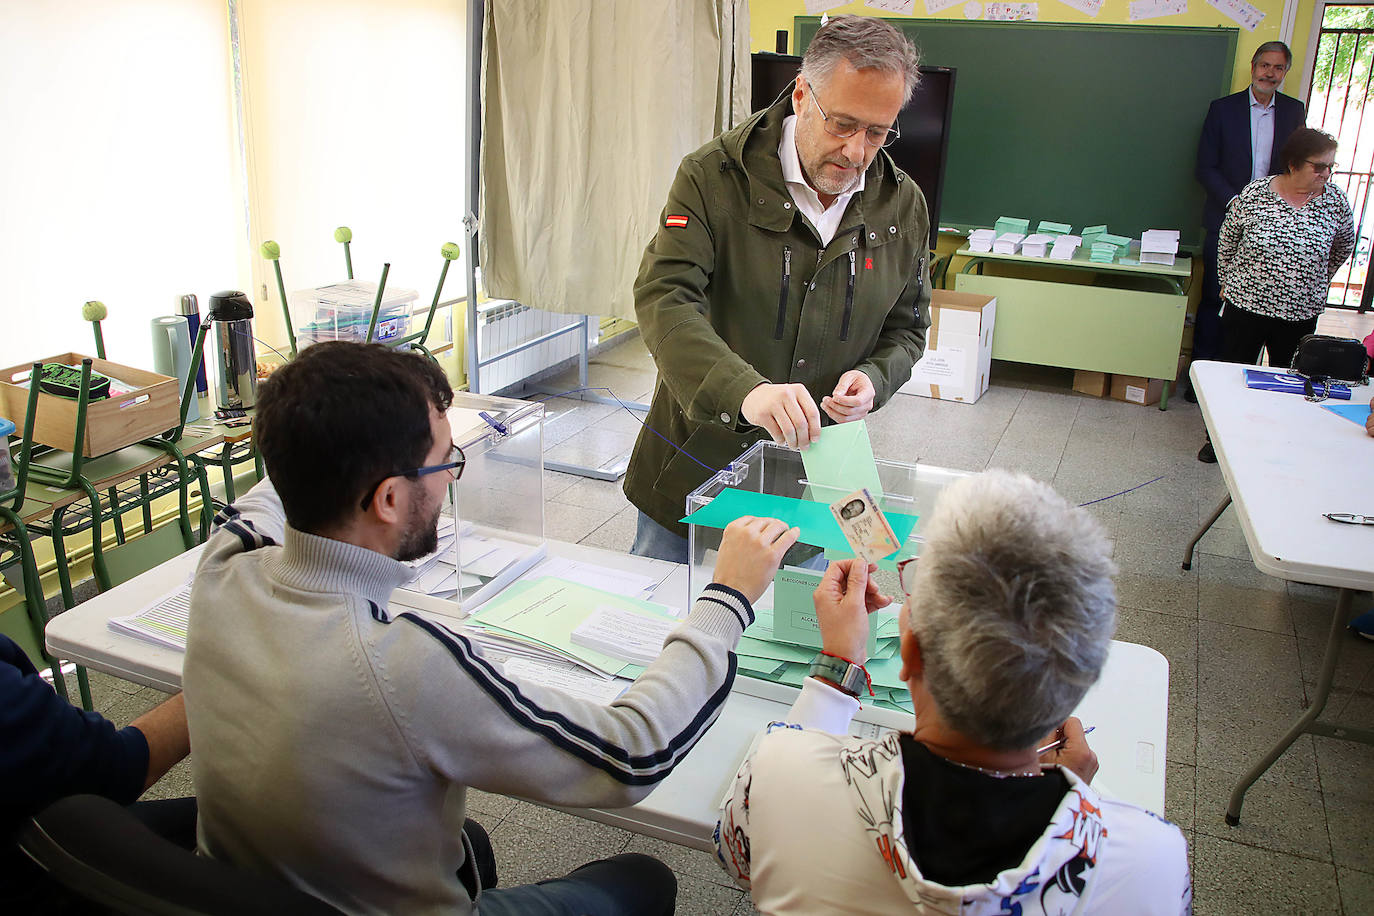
817	524
840	462
794	611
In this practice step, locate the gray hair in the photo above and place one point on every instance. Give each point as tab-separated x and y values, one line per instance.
1013	605
868	44
1273	46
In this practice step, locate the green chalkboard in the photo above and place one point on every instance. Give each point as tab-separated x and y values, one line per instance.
1082	124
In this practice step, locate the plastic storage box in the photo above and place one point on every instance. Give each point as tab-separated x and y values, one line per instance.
342	311
777	470
7	481
498	500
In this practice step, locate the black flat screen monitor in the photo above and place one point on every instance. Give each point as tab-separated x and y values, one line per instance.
923	146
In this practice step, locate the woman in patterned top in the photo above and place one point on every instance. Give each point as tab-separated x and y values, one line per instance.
1281	243
1283	240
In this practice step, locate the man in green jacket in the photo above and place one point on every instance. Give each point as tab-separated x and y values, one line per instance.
788	270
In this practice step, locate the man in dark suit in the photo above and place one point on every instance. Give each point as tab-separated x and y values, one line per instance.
1240	142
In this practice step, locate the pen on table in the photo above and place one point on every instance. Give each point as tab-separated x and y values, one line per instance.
1058	742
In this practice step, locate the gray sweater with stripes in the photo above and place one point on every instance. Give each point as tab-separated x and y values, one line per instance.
335	741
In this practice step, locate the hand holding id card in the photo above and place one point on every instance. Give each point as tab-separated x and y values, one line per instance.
864	526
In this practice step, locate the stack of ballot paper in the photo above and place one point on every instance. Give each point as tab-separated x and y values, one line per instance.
1092	233
1036	245
981	240
548	619
1064	247
1007	224
1048	228
1159	246
1007	242
1106	248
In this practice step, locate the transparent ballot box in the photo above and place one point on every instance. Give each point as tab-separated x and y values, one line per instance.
491	529
777	470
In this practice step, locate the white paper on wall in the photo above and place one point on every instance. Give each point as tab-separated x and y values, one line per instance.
1242	13
892	6
816	7
1091	7
973	9
1012	12
1154	9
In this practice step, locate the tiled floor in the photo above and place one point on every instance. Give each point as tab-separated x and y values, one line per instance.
1243	648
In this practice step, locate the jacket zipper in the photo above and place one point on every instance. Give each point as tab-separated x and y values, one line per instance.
848	299
921	277
782	293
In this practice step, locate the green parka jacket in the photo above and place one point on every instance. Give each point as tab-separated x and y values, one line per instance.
736	289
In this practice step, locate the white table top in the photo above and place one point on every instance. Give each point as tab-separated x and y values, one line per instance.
1286	461
1128	706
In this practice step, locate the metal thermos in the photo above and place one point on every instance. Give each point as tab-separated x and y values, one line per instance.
236	376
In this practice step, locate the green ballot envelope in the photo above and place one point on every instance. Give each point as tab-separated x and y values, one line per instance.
794	612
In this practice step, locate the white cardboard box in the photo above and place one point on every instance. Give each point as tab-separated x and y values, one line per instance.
958	355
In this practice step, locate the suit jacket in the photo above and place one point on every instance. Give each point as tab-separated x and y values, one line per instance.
1224	159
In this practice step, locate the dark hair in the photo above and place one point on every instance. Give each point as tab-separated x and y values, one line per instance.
1272	46
338	419
868	43
1303	144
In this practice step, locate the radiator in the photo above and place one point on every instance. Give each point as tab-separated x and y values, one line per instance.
504	325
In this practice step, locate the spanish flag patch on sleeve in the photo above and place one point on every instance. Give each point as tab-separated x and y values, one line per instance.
675	221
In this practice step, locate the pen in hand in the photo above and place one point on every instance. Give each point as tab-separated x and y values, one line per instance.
1059	742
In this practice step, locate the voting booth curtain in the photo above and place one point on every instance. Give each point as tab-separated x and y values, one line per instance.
587	109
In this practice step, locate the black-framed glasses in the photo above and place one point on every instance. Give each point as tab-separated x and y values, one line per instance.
457	461
844	128
1322	167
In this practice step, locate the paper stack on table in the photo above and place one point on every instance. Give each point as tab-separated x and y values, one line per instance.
981	240
1159	246
1007	224
1092	234
1048	228
1106	248
1037	245
1008	242
1064	247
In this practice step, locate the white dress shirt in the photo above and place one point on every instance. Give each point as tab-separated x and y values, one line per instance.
826	220
1261	136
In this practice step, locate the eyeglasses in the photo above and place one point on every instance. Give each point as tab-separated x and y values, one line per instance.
457	461
906	574
1320	167
844	128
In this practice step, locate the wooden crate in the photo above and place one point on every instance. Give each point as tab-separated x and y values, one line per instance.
153	407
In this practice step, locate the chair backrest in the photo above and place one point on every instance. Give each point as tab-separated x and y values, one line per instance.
14	499
97	850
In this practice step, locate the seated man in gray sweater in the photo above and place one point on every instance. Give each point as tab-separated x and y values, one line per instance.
336	738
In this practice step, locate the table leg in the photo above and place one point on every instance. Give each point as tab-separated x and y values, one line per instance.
1212	520
1164	396
1307	722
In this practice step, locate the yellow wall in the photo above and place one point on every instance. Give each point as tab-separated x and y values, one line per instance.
767	16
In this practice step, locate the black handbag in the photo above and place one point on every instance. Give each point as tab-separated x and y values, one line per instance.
1321	358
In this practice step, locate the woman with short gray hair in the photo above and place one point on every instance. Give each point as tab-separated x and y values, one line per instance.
1008	618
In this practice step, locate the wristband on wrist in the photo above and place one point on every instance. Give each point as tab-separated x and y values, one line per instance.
850	677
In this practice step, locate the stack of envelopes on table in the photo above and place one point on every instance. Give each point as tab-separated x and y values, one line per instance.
1159	246
980	240
764	656
1049	228
1064	247
1008	242
1036	245
1007	224
1107	248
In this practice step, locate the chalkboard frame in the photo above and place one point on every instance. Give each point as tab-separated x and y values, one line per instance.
1142	91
